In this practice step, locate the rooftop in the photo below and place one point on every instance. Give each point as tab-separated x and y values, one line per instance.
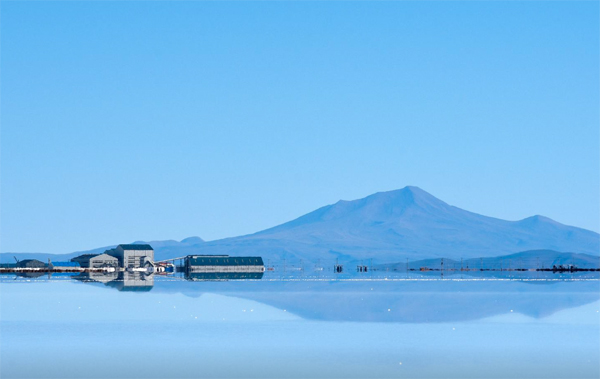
136	247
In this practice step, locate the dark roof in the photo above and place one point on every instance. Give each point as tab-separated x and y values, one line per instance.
82	256
88	256
144	246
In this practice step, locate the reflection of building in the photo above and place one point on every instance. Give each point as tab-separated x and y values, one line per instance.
122	281
133	256
30	274
97	276
204	276
96	260
133	281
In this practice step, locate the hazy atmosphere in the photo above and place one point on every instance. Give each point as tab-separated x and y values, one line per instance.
124	121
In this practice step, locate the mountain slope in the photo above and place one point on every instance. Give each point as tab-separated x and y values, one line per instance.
406	223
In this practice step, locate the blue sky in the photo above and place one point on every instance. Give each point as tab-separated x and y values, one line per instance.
126	121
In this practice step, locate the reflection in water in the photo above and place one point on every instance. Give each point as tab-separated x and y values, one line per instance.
221	276
122	281
32	274
404	301
278	328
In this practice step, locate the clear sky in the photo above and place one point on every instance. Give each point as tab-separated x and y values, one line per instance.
126	121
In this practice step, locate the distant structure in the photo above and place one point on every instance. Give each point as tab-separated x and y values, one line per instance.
96	261
133	255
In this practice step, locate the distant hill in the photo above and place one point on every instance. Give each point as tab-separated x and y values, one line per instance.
391	227
524	259
168	248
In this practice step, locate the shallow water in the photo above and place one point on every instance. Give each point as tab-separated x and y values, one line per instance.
300	326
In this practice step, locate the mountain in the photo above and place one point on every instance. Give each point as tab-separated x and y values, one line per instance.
391	227
407	223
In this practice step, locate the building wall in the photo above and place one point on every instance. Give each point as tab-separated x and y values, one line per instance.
132	258
137	258
101	260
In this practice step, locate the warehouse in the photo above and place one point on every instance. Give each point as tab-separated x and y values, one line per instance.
133	255
223	263
96	261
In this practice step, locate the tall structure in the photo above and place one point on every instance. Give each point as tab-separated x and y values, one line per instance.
133	255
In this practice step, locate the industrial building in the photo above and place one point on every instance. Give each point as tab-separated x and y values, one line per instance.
96	261
223	264
133	255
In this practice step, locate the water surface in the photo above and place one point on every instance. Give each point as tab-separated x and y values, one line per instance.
298	327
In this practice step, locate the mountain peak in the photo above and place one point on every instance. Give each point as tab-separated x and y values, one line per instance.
538	220
378	207
192	240
407	196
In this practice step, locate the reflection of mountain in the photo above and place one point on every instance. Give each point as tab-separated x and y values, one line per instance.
399	301
122	281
